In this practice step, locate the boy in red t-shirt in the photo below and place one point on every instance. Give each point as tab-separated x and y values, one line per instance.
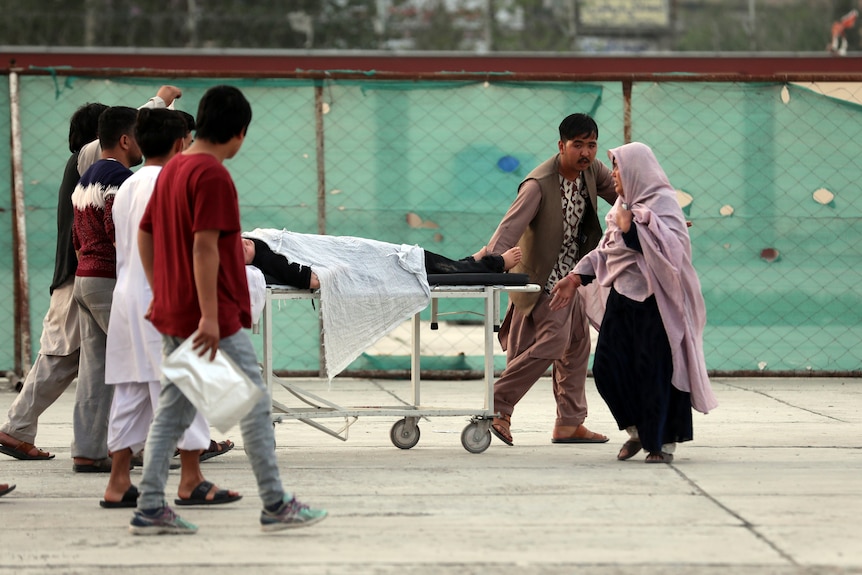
191	250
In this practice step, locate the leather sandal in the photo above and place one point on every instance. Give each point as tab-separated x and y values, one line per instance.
629	449
24	451
500	428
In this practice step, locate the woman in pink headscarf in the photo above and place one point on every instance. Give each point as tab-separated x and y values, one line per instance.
646	301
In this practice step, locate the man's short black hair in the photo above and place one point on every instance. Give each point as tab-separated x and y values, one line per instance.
189	120
577	125
114	123
84	125
223	113
156	131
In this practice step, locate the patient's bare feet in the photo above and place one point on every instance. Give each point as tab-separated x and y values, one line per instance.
511	258
481	253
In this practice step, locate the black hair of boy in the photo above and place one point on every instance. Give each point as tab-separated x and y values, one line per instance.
156	131
223	113
189	120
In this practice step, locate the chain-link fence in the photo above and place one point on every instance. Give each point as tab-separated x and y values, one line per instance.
436	162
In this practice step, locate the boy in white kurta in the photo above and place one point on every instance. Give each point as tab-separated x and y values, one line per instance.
134	347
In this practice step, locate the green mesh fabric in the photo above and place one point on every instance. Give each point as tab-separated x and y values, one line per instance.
438	163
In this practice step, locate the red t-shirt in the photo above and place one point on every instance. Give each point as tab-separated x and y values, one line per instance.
193	193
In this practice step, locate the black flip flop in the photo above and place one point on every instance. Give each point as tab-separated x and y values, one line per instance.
98	466
130	499
199	496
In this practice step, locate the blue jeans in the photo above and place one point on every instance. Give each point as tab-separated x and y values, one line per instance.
175	413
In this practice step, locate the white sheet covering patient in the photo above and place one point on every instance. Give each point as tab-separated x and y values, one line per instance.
354	310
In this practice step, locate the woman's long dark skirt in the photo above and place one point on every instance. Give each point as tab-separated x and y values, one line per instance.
633	367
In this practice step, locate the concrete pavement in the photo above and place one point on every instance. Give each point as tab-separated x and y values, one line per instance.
772	484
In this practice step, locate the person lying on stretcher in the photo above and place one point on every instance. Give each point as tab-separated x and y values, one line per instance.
279	270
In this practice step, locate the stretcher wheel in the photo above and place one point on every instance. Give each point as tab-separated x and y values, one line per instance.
404	434
476	437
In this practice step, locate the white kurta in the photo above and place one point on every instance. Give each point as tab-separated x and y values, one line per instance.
133	354
134	349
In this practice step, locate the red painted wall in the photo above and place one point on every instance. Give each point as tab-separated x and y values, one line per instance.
267	63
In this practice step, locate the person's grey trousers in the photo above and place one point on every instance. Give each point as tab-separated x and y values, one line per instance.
92	397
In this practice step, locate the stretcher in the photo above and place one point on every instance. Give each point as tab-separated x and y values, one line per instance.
404	434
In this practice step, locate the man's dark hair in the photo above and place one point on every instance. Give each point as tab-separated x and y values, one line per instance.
157	130
84	125
578	125
223	113
114	123
188	119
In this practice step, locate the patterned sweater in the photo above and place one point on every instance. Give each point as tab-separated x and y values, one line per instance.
93	229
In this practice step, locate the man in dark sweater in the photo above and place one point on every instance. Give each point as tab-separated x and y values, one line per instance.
93	238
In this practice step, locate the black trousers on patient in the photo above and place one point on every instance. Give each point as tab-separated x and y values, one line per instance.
437	264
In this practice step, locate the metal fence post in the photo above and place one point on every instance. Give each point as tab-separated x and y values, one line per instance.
19	231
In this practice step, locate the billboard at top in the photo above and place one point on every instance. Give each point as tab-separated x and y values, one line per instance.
628	14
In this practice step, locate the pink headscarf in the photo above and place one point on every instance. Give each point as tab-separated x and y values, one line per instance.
663	269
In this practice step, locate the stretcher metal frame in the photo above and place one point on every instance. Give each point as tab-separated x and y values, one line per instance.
404	434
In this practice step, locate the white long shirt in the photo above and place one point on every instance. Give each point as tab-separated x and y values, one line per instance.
134	349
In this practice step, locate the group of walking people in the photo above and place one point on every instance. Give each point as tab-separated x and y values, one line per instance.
123	271
179	261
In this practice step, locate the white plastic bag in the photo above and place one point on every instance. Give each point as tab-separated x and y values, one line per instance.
218	388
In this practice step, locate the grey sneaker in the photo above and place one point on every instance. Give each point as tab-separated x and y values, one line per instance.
290	515
165	521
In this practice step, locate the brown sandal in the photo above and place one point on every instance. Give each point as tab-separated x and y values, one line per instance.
500	427
24	451
629	449
216	449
